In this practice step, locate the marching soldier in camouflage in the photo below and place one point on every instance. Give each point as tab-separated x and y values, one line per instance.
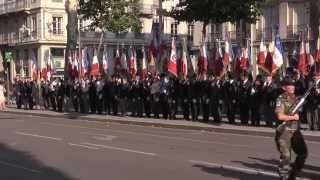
288	137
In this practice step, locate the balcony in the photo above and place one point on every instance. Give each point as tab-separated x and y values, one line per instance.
147	10
15	6
293	31
265	33
56	35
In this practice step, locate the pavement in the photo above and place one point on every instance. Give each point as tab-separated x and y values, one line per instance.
176	124
70	147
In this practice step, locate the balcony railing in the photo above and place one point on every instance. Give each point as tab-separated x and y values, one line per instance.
265	33
15	6
293	31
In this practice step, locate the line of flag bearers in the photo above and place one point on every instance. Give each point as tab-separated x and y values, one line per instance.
215	85
162	96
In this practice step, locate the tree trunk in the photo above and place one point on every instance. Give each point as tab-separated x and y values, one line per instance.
71	7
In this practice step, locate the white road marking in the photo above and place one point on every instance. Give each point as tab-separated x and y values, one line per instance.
38	136
159	136
102	137
19	167
121	149
83	146
234	168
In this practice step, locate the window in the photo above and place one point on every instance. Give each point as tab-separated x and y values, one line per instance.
174	29
34	25
190	32
56	25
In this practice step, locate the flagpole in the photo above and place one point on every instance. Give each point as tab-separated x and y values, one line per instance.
253	62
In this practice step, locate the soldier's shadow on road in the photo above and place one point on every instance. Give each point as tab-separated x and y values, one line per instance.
19	165
271	165
229	173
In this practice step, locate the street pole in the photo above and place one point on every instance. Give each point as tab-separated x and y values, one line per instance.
8	84
252	56
80	52
160	68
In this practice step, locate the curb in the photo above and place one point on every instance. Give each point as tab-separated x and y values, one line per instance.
162	125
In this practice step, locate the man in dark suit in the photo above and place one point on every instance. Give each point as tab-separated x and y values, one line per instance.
229	92
244	95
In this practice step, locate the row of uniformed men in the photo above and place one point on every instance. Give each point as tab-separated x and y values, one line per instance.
209	99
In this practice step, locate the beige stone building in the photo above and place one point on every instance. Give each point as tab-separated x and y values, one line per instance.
32	29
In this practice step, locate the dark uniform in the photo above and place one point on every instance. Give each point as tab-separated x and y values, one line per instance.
216	99
99	90
185	98
147	97
270	93
256	102
93	97
313	107
230	99
205	100
19	94
45	94
60	96
173	98
107	97
288	137
244	95
75	96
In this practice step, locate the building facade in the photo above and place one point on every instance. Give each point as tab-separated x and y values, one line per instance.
33	30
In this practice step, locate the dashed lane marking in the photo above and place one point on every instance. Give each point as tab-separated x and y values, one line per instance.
83	146
38	136
121	149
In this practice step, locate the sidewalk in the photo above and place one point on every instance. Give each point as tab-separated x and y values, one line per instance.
178	124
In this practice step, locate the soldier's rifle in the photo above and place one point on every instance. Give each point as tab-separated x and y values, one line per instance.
301	101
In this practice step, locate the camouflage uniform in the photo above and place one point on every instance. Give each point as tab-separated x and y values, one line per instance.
288	137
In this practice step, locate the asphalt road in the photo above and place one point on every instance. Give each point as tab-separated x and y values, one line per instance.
35	148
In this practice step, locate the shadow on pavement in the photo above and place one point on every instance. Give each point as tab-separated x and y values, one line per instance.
271	166
18	165
233	173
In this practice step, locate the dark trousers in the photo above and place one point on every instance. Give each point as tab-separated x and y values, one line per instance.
194	110
99	104
75	102
205	110
269	116
31	102
231	111
139	107
164	107
19	100
53	102
114	106
244	113
147	106
107	105
255	115
215	110
93	104
60	103
172	109
186	109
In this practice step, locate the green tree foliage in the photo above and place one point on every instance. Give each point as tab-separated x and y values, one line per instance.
216	11
116	16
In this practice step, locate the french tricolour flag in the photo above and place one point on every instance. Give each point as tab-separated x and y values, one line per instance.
172	66
278	53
